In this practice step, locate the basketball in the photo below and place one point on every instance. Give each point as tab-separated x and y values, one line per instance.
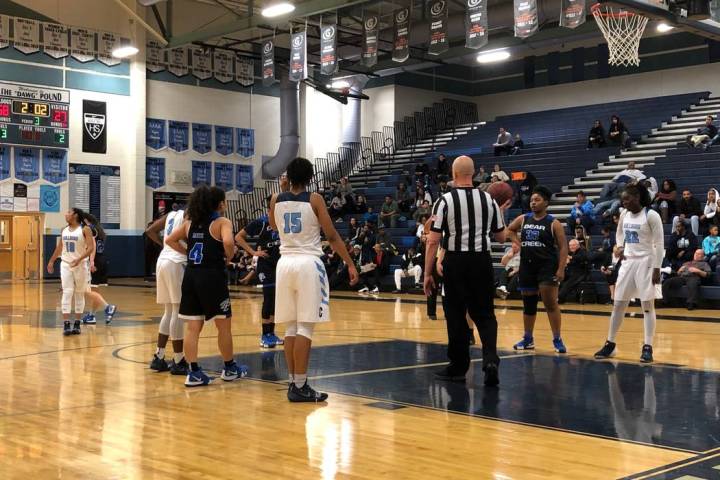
501	192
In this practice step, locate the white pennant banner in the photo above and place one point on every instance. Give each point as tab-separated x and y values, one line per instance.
26	36
107	42
202	63
178	61
82	44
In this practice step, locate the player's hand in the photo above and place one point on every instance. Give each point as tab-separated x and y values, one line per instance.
93	269
51	267
353	274
260	253
428	285
560	274
621	253
656	276
506	205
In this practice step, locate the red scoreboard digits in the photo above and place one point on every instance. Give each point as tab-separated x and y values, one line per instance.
4	109
60	116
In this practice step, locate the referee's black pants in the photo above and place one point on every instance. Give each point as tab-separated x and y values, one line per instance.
469	288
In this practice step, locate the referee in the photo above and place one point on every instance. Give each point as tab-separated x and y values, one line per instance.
463	220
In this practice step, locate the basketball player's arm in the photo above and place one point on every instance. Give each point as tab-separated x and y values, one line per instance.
271	212
328	228
173	240
513	229
226	234
241	239
89	247
92	257
56	254
658	239
153	231
562	244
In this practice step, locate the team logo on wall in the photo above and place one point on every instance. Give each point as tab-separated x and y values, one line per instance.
401	50
94	122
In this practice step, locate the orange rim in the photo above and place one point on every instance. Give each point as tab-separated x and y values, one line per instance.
595	9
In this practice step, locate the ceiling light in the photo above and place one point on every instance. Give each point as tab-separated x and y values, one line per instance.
664	27
125	51
277	9
496	56
340	84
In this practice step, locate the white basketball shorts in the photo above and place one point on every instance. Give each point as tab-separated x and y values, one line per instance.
76	279
302	290
635	280
169	278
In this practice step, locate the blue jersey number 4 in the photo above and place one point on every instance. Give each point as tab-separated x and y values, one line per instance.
195	255
293	222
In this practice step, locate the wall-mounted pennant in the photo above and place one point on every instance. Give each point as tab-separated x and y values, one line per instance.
328	50
370	41
49	198
245	71
56	40
178	136
526	18
26	35
201	173
298	57
5	151
155	172
27	164
245	142
268	63
94	127
438	27
54	165
202	63
223	65
476	23
155	133
572	13
106	43
224	140
4	31
82	44
178	61
201	138
244	178
401	50
224	176
154	57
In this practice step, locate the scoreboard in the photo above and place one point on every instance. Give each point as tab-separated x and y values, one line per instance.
34	116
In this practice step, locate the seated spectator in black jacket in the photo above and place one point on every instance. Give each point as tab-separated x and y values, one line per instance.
596	136
689	211
690	275
618	133
504	142
665	202
361	204
611	269
383	238
525	188
366	240
602	254
681	247
508	282
403	198
704	136
412	265
583	238
518	145
443	166
421	173
353	230
373	269
337	207
443	186
576	271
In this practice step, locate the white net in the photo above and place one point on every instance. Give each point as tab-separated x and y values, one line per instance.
622	31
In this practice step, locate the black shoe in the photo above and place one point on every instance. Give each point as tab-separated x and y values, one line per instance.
647	354
491	374
447	375
66	329
607	351
76	328
432	317
397	291
305	394
691	306
180	368
159	364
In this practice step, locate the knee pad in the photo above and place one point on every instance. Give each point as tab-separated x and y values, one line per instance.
530	303
291	329
79	302
177	325
305	329
66	303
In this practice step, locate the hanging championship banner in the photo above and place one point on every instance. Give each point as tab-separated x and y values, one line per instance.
401	50
201	173
328	50
106	43
94	127
154	57
572	13
4	162
245	142
178	136
298	57
224	176
268	63
4	31
155	133
244	178
82	44
202	63
26	35
526	18
56	40
202	138
370	42
224	140
245	71
54	165
178	61
476	24
155	172
438	27
223	62
27	164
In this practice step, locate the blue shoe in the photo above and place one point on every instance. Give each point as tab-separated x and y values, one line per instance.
559	345
89	319
267	340
197	379
277	340
527	343
110	311
233	372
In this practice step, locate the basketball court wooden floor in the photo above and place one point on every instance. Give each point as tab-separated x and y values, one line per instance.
88	407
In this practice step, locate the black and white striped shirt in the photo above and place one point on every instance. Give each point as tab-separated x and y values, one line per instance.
466	217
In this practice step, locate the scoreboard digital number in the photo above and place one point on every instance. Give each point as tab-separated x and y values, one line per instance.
34	116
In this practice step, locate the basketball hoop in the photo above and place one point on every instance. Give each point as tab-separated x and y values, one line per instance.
622	31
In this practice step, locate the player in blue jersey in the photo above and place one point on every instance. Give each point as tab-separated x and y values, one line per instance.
98	275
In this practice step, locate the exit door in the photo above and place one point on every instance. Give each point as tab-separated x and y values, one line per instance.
20	247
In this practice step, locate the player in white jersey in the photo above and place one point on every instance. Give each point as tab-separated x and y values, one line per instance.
302	289
76	245
169	273
640	234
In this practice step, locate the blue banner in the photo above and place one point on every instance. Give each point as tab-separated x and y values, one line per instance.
202	138
49	198
224	140
154	172
4	162
224	176
244	179
155	133
27	164
245	142
178	136
54	165
201	173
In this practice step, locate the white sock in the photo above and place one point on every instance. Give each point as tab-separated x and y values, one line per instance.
160	352
616	318
291	378
300	379
178	357
649	320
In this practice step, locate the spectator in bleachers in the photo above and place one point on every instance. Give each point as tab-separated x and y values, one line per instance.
689	211
711	246
337	207
581	212
481	176
353	230
373	269
652	187
424	210
421	173
412	265
618	133
498	175
690	275
336	269
383	238
389	212
346	192
443	186
609	200
370	216
681	246
504	142
665	200
708	217
602	254
421	195
518	145
402	197
583	238
525	188
508	282
420	228
360	204
366	240
611	269
596	136
576	271
443	166
704	136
